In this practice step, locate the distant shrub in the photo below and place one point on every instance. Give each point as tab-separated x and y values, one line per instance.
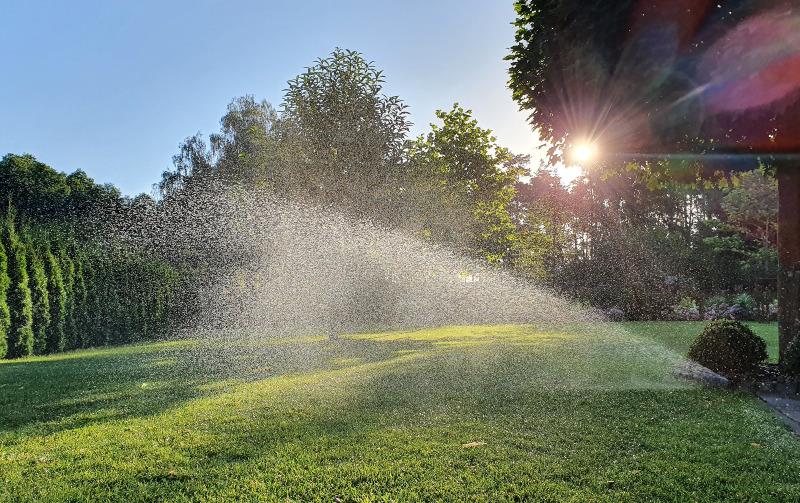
747	306
614	314
716	308
772	310
735	312
729	348
716	311
686	309
741	307
716	300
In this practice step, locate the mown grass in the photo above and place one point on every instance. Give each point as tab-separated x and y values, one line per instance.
679	335
547	413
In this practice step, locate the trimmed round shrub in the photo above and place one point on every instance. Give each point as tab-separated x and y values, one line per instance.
729	348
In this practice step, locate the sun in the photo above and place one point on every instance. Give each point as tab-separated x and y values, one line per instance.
584	152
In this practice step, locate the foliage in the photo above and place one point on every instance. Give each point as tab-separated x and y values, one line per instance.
20	305
751	206
339	137
43	194
729	348
686	309
747	303
624	270
56	334
790	360
74	273
716	307
466	167
603	70
68	275
40	298
611	234
5	314
245	142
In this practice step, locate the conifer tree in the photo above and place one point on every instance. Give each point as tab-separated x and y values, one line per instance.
99	301
39	295
20	305
79	302
68	274
58	303
5	315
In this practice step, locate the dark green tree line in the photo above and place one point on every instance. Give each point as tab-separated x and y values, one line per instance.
65	285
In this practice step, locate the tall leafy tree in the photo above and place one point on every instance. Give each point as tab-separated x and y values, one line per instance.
468	170
341	139
244	148
751	205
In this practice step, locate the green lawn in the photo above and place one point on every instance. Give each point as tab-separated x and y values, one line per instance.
679	335
550	413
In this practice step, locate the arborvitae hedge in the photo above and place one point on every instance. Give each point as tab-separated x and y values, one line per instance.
79	296
68	272
55	339
5	315
20	305
37	278
57	293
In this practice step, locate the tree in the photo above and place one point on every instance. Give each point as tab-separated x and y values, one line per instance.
340	138
20	335
68	273
243	151
56	335
5	314
39	297
465	167
751	206
80	315
42	194
194	162
244	147
646	80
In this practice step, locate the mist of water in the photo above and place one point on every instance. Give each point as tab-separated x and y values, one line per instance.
269	269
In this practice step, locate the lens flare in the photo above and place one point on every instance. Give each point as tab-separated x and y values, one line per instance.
584	152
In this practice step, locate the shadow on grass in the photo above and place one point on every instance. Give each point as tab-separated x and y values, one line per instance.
312	419
401	425
86	387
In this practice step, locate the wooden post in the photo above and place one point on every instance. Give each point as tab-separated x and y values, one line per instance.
789	253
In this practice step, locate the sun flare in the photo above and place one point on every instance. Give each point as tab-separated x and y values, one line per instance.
584	152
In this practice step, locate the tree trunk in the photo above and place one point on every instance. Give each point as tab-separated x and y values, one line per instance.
789	253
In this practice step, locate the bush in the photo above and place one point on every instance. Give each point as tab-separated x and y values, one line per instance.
772	310
747	304
742	307
716	308
729	348
614	314
735	312
686	309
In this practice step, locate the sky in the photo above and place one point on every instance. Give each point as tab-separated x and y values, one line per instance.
112	87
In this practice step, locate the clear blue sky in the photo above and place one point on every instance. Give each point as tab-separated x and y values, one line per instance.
112	87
